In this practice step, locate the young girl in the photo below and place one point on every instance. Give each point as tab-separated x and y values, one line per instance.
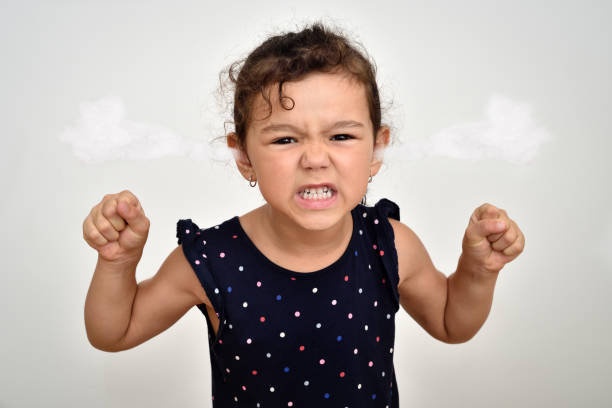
300	294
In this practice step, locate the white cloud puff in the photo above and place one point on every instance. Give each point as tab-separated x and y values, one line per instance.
508	133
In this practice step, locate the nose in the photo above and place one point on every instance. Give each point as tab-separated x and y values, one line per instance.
315	155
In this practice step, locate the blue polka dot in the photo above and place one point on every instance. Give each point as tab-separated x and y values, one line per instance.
326	395
355	252
278	297
286	369
339	338
373	396
229	288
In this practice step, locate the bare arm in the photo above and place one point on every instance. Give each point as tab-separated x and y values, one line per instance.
450	309
146	309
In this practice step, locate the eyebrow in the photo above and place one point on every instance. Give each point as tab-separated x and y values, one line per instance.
285	126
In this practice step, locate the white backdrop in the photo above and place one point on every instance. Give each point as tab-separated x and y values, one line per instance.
546	342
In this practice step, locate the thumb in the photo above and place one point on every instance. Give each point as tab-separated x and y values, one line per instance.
478	230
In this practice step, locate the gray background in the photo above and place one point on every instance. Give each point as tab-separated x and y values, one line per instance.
547	339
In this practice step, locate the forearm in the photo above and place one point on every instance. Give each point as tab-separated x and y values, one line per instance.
469	299
108	306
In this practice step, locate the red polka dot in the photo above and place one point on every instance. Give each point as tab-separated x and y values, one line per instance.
384	280
302	348
377	339
342	374
292	278
346	278
254	372
262	319
234	236
382	252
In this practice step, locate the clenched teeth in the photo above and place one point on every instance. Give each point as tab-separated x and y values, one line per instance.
316	193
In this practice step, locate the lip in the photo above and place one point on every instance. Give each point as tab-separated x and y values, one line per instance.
320	185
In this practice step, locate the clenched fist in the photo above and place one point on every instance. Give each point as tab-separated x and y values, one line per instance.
491	239
117	228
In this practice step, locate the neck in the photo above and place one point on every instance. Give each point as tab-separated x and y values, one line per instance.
293	239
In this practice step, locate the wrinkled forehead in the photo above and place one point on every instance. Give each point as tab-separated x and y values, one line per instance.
317	96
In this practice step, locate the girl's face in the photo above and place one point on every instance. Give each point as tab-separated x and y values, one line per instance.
325	140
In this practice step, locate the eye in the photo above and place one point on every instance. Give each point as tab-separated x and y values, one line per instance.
283	140
343	137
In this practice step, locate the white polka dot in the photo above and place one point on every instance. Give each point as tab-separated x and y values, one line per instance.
366	327
306	383
359	386
360	290
230	326
216	290
271	389
383	373
388	316
268	355
365	215
245	304
391	350
204	242
216	227
290	404
375	303
334	302
369	266
355	351
249	341
236	399
241	268
318	325
282	334
227	369
314	290
360	232
237	357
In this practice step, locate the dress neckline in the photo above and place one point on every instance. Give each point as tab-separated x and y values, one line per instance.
334	265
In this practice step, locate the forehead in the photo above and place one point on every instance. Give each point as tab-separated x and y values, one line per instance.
318	99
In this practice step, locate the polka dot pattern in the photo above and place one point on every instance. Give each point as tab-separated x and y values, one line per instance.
295	339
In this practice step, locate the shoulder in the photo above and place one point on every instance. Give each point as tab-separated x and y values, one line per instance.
412	256
179	274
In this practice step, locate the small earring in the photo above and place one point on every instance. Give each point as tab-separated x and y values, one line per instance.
251	183
370	180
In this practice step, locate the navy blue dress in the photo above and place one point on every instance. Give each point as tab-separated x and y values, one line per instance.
292	339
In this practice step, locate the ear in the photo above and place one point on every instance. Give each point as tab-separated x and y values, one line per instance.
242	159
383	137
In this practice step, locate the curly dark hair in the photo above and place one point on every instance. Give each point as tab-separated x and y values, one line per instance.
289	57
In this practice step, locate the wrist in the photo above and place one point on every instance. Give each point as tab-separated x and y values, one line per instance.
474	269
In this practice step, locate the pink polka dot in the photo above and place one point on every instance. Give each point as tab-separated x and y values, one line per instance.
249	341
350	315
292	278
370	363
234	236
374	246
197	262
290	404
376	221
377	339
297	313
254	372
262	319
243	388
384	280
220	341
222	254
322	361
187	231
258	284
334	302
204	255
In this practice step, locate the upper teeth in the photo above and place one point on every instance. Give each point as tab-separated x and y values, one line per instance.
316	190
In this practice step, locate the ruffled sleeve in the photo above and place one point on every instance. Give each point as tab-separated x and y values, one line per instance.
194	247
388	209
